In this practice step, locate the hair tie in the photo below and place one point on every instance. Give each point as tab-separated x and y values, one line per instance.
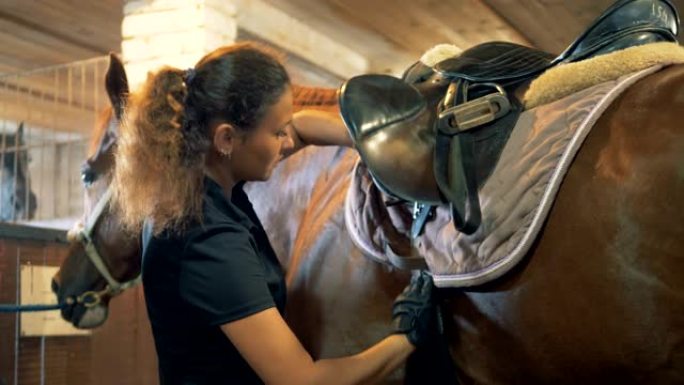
189	76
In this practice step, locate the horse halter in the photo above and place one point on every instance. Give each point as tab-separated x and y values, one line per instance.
83	233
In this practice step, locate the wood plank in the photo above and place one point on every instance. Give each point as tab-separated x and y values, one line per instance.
39	48
41	33
28	233
8	322
382	54
270	23
87	23
415	26
302	72
550	25
119	352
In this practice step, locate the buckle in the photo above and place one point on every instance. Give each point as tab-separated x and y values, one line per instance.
89	299
474	113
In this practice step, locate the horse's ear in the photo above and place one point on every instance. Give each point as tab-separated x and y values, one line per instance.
116	83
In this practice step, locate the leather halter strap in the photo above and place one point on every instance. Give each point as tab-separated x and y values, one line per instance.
83	233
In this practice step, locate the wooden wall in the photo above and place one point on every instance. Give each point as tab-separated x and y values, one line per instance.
120	352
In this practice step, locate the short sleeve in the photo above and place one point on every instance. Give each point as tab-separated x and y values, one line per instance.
221	276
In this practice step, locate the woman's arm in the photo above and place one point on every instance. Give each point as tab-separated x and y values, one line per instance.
275	354
319	128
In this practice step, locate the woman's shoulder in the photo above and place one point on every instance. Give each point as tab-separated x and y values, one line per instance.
218	237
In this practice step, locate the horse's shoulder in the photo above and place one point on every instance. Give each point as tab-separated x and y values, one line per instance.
663	88
653	104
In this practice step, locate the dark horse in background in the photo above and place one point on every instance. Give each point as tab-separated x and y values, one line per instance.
17	201
602	306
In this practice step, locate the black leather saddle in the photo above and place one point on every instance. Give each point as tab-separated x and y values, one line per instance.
435	135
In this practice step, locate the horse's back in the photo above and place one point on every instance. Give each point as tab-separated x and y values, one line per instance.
600	298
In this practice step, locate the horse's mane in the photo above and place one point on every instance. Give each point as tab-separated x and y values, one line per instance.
314	98
101	125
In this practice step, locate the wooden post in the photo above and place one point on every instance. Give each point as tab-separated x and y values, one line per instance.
173	32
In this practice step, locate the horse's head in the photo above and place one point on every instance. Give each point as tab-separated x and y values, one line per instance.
17	201
102	258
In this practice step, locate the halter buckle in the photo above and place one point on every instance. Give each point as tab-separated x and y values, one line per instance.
90	299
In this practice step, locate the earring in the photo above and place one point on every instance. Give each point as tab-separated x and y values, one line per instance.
226	153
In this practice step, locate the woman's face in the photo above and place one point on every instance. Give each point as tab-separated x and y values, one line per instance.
256	155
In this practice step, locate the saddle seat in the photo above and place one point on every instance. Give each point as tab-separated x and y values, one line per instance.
497	62
433	136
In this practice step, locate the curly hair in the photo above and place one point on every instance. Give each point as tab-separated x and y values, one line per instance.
165	135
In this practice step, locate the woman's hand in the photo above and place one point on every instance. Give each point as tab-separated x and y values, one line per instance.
414	312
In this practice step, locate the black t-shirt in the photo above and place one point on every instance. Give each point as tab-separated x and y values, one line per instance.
216	272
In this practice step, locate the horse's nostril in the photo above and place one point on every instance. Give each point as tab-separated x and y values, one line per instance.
55	286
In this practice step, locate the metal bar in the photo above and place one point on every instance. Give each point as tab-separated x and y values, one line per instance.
40	210
83	83
70	85
27	180
55	191
42	338
67	149
19	231
3	148
42	360
68	146
13	193
16	317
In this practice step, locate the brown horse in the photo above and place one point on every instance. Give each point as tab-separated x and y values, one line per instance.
598	299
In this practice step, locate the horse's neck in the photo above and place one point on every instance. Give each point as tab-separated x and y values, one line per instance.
294	198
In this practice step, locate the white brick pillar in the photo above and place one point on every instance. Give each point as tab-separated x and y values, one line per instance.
173	32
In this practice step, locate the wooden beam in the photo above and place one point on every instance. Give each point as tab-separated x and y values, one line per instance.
37	47
32	233
47	114
285	30
42	32
550	26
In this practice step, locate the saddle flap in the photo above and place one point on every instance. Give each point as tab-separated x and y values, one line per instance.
389	122
369	103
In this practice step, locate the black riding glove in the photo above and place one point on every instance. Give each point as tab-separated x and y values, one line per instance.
414	312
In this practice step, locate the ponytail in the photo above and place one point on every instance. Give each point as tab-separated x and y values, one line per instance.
156	177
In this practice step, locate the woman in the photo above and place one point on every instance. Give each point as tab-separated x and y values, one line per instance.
215	291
